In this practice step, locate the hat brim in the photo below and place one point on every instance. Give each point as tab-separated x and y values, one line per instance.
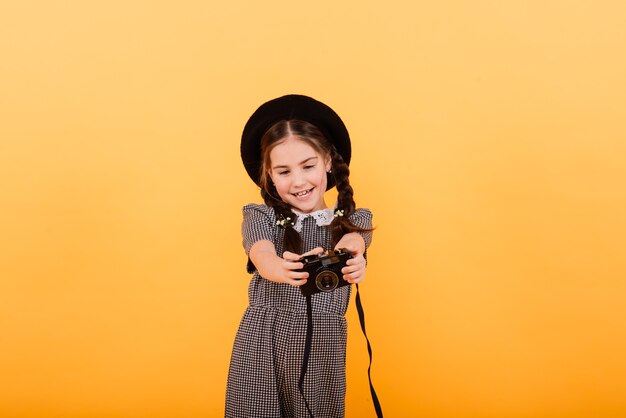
291	107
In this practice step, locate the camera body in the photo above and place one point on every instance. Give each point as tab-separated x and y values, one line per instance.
324	271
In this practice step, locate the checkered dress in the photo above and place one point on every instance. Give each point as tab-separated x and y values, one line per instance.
267	354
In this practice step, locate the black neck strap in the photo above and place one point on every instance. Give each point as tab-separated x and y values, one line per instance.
307	352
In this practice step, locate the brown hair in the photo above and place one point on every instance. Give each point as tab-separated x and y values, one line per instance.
311	135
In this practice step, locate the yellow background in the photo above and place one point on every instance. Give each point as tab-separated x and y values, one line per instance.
489	140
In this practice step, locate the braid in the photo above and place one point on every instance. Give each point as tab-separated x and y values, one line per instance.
342	225
292	241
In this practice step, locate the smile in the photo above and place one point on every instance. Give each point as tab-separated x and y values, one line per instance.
303	193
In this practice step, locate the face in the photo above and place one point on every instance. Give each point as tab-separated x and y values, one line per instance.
299	174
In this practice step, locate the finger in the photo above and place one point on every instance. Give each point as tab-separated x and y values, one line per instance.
293	265
296	283
357	280
314	251
354	277
352	272
350	275
298	275
358	259
349	268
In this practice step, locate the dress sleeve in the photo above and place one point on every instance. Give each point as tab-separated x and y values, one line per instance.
363	219
258	224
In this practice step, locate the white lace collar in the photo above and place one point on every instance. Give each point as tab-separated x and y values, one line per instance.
323	217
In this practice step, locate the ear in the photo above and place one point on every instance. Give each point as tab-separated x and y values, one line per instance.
328	163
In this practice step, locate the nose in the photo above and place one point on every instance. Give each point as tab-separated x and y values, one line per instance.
299	178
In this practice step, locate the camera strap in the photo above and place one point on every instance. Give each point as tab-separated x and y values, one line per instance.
359	308
307	352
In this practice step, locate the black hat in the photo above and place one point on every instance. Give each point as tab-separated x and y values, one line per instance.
290	107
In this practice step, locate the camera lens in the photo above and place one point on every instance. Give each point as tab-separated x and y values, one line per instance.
326	280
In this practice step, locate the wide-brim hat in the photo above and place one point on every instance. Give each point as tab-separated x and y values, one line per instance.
291	107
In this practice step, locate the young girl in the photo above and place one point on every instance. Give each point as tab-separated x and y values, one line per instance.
295	148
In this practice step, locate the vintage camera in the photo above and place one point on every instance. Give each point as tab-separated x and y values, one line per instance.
324	271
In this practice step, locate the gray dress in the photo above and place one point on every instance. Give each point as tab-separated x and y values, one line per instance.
267	354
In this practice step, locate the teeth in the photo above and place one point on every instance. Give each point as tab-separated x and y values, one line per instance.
300	194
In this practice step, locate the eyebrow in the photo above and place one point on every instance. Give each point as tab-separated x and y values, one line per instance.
301	163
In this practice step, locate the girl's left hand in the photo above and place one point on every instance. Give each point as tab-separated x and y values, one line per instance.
354	271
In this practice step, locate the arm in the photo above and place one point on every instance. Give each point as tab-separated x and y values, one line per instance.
275	269
352	242
354	272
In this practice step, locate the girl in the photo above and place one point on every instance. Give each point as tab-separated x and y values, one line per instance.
295	148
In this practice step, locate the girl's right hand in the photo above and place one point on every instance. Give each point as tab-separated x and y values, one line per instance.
276	269
290	264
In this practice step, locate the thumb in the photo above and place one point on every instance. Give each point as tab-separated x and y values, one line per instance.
289	256
349	249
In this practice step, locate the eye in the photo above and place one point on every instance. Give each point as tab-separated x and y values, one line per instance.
283	173
308	167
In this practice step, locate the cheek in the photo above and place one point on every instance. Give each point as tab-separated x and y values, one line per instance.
323	175
321	179
282	185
